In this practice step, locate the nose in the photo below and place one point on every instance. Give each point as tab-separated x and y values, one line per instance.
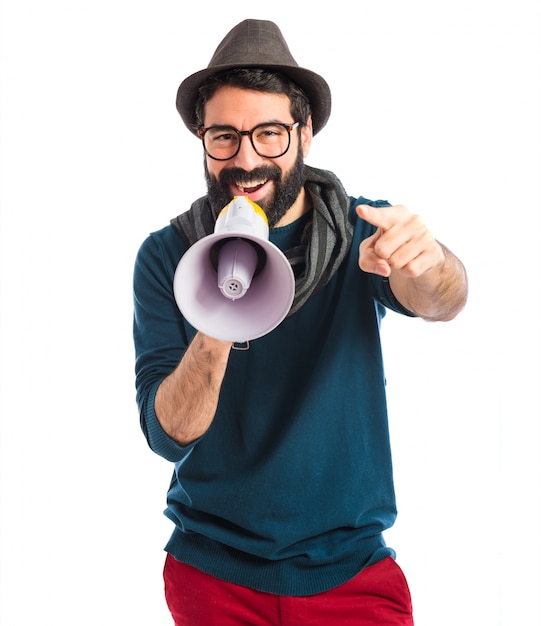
246	158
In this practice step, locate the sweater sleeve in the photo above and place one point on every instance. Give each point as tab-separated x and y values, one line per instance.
379	286
159	333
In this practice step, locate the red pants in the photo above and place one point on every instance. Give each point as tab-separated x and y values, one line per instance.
379	595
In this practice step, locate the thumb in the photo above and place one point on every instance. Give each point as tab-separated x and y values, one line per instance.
369	261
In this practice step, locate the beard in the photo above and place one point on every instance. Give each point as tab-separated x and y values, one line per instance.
286	187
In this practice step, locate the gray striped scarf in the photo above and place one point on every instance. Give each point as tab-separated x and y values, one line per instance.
325	241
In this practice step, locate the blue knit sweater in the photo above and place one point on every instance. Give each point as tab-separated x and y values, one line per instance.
291	488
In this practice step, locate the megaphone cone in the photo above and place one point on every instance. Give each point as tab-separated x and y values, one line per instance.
235	284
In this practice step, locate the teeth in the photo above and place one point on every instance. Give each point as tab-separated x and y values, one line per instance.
252	184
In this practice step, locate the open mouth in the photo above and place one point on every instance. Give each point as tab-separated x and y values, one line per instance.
251	187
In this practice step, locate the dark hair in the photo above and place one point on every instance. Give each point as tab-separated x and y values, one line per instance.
256	79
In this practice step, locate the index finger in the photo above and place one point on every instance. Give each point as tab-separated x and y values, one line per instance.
382	217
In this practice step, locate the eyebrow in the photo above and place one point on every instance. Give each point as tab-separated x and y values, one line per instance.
275	121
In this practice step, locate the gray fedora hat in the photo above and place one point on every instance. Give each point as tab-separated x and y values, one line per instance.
256	43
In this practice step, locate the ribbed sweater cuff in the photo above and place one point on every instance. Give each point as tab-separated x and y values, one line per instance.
158	439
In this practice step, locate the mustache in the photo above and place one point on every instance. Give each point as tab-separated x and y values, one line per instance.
238	175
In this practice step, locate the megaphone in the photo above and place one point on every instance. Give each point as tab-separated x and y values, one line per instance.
235	284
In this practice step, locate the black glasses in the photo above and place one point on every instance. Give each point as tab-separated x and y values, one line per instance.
270	140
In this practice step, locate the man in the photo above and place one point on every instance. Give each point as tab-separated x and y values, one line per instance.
282	484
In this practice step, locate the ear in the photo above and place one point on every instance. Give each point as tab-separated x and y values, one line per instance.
306	137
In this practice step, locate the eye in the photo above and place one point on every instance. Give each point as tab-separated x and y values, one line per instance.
269	132
221	135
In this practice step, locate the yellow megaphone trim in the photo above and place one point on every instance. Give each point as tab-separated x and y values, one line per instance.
257	209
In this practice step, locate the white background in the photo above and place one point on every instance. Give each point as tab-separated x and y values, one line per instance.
436	106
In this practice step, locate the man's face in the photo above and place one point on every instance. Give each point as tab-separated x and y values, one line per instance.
275	184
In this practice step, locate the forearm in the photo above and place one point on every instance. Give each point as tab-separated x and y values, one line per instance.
438	294
187	399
